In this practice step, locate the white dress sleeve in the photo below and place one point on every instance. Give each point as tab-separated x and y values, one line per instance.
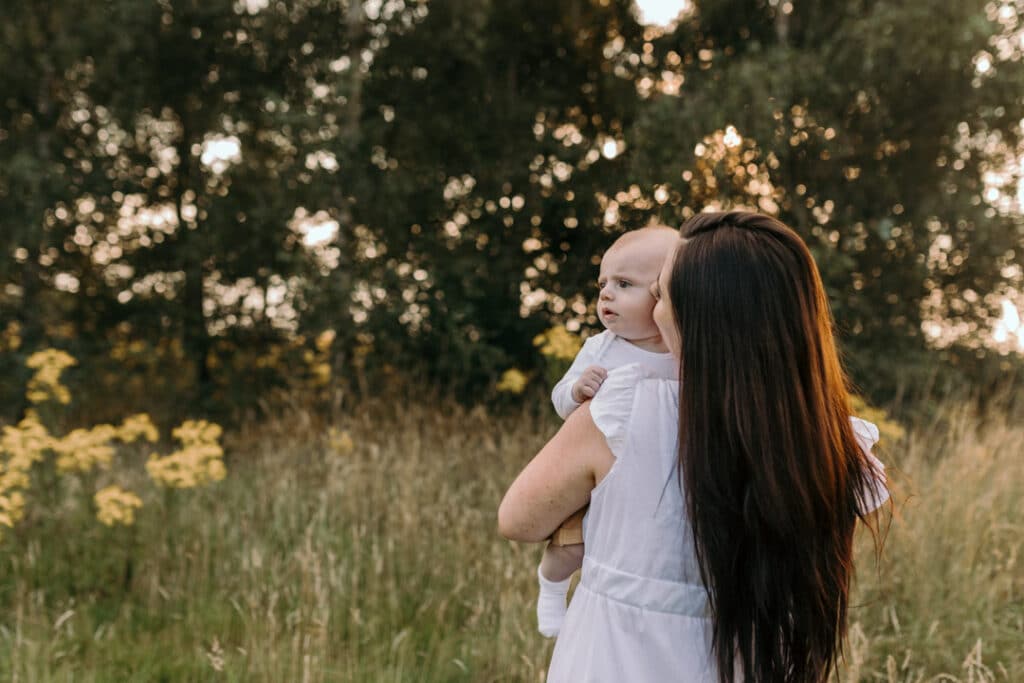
875	493
589	355
612	407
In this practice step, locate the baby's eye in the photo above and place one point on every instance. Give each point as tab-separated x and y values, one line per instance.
625	283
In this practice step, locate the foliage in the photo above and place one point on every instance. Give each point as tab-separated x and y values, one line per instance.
870	133
432	181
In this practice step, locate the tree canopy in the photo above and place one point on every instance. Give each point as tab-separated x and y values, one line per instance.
430	183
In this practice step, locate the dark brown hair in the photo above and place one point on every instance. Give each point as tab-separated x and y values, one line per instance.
772	471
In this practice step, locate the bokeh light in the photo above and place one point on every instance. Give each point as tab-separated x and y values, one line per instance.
662	12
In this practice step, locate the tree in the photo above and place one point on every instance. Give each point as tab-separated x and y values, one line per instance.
867	126
435	181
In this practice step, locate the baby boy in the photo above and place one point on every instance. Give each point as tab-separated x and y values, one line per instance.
624	307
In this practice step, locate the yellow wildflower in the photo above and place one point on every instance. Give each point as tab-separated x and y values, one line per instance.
24	443
45	384
198	462
512	381
10	339
20	446
114	505
136	426
123	349
340	441
321	374
270	359
215	470
889	430
559	343
194	432
80	450
12	508
324	340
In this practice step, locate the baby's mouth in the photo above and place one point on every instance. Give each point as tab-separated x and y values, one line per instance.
609	313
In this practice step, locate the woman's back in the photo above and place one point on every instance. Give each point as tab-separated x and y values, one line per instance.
640	611
775	478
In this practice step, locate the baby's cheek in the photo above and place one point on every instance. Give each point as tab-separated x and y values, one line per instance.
658	314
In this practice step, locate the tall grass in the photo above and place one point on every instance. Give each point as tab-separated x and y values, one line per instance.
383	564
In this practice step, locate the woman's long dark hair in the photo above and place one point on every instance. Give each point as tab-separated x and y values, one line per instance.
772	471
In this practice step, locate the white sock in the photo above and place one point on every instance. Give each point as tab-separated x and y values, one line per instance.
551	605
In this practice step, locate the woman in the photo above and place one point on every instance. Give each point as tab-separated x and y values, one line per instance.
722	508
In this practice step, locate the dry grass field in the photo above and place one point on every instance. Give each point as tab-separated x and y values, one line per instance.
378	561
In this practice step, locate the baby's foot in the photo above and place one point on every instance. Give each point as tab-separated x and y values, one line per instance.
551	605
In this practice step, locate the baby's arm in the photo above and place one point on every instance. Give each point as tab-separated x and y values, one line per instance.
582	380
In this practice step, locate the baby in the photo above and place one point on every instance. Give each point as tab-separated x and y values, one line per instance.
625	307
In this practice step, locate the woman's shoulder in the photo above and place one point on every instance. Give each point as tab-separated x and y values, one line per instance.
627	391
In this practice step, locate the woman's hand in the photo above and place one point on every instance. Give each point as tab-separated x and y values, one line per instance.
557	482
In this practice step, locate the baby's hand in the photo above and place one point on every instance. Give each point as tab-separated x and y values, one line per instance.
588	383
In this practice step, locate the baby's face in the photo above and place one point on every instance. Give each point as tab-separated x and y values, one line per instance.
625	304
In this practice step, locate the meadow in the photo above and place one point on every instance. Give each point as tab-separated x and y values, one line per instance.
373	556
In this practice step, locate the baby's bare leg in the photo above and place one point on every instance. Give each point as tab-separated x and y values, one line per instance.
562	557
560	561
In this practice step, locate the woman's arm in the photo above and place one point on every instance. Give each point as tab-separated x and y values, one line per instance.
558	481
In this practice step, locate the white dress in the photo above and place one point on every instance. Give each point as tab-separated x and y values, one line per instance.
640	611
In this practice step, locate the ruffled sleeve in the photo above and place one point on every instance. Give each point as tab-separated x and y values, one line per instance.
612	407
876	492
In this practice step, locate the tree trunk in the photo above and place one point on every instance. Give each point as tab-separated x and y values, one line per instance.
29	311
196	338
341	278
781	23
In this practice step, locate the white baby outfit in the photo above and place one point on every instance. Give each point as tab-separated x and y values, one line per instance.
639	614
610	351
